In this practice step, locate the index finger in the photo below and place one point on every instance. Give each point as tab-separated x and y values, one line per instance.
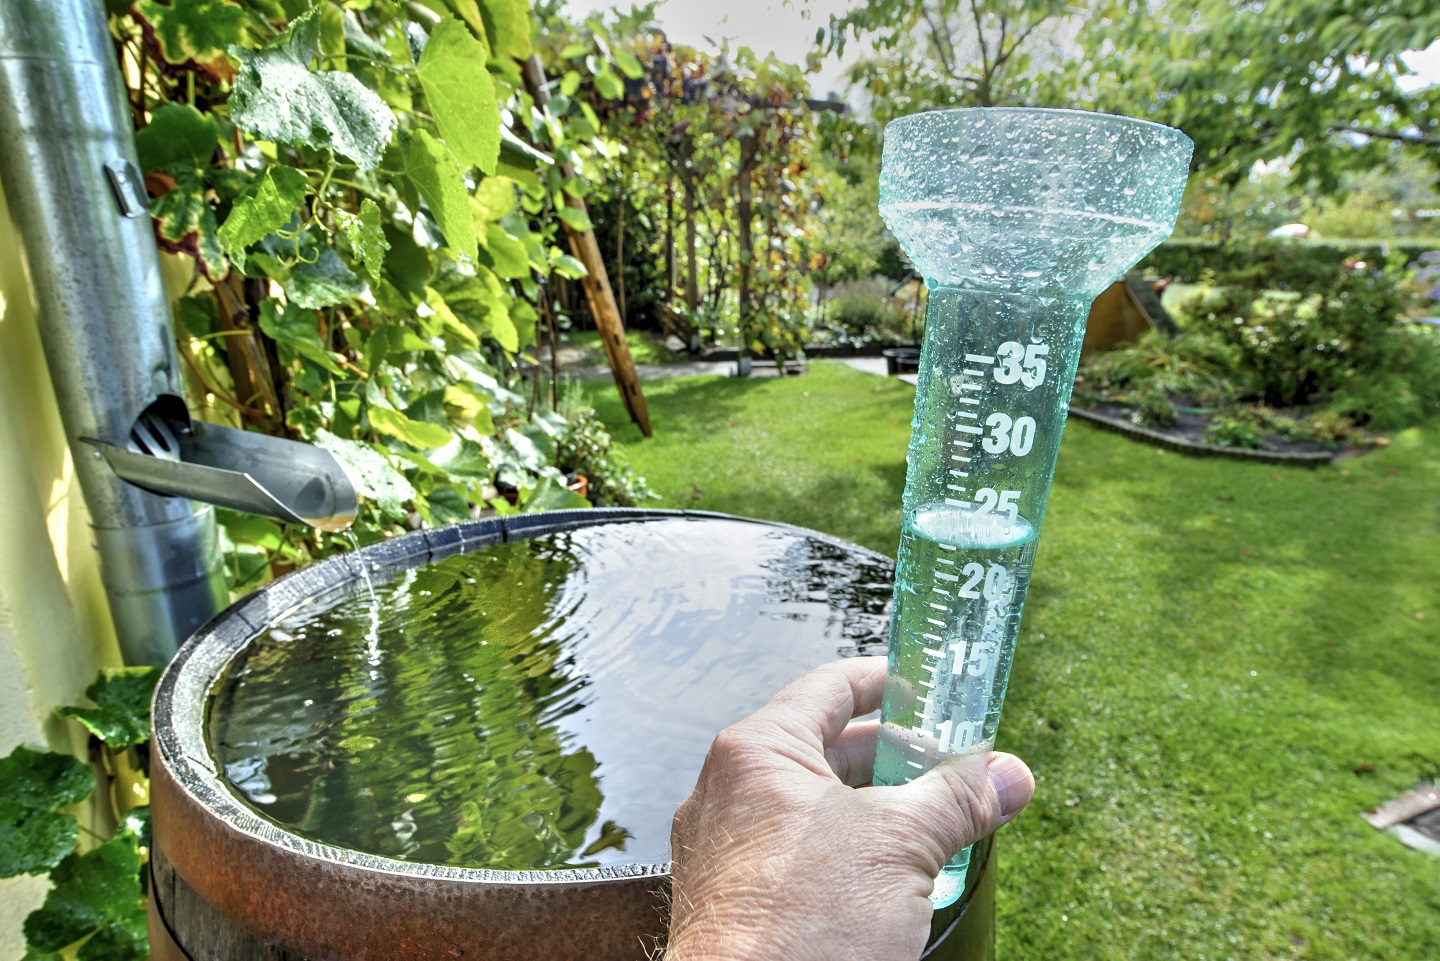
820	703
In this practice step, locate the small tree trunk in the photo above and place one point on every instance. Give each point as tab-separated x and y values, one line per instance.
749	149
692	283
620	250
669	239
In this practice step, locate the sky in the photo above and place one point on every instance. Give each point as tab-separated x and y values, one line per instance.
787	29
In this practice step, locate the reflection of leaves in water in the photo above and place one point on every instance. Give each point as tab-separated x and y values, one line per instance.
431	736
612	835
856	585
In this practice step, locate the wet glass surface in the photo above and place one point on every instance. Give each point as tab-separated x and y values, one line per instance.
545	703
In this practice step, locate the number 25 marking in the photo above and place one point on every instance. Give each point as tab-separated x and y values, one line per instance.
987	499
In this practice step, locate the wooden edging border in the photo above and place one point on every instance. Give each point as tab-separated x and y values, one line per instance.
1156	438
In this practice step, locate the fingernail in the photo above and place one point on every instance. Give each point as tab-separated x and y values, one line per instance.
1013	783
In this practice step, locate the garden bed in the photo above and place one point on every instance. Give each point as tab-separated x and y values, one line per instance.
1187	436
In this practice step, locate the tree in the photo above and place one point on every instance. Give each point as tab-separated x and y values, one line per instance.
953	53
1319	81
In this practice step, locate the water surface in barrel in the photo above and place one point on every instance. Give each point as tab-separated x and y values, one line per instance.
543	703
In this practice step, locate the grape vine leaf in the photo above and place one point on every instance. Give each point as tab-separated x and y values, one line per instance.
479	299
34	834
185	224
121	715
323	281
366	234
461	94
550	495
263	207
294	331
176	133
96	895
508	256
193	34
371	472
566	266
608	84
508	24
419	434
440	181
493	199
277	97
575	218
628	64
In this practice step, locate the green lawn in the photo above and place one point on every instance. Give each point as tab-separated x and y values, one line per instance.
645	347
1221	665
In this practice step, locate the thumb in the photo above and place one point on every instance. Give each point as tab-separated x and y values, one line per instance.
964	799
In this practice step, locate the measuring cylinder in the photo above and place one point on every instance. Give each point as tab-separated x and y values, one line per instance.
1017	219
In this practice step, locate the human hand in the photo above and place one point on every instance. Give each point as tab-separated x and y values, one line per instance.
782	854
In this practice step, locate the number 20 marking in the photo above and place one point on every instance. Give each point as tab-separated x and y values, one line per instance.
996	579
1016	436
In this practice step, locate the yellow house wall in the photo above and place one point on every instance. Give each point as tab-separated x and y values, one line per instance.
55	630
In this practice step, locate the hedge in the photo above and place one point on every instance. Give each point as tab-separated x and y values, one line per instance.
1289	263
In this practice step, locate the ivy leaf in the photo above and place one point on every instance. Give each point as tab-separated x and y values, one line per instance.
609	85
323	282
417	433
121	715
94	892
193	34
278	98
508	24
375	479
185	224
263	207
628	65
177	134
34	785
575	218
441	184
461	94
366	234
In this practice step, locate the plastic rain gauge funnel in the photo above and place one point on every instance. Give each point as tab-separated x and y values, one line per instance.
1017	219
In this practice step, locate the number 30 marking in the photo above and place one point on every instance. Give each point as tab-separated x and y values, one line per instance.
1016	436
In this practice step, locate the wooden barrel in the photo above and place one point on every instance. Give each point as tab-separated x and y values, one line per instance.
229	885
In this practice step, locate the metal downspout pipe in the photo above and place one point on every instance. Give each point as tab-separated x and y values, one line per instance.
103	316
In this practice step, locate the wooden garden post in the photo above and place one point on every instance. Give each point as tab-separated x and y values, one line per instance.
596	283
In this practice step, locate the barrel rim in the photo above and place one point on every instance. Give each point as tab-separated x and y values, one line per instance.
181	700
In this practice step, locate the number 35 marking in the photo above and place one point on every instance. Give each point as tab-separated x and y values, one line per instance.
1017	436
1020	364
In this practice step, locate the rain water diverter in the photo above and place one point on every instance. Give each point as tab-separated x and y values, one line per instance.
469	742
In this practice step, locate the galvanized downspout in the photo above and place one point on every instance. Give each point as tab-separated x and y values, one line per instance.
102	311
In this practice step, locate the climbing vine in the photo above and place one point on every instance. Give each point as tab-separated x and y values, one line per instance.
95	909
367	203
707	170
